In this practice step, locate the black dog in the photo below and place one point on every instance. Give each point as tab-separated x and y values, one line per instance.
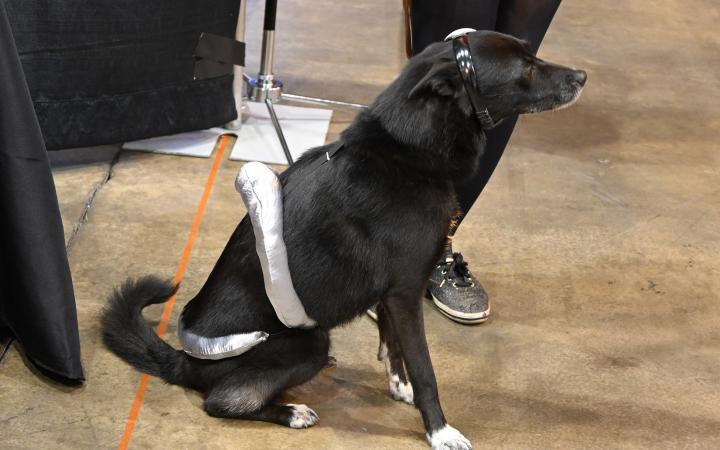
366	228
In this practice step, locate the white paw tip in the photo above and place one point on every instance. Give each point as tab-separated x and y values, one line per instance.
402	392
302	416
448	438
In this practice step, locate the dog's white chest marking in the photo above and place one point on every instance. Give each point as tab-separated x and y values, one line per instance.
448	438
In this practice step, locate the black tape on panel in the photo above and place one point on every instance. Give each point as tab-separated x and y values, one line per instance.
217	55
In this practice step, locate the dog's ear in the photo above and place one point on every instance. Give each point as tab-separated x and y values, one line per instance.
440	79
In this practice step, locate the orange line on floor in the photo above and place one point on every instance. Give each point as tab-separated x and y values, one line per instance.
179	274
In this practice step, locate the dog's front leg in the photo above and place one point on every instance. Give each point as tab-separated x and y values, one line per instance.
390	353
407	321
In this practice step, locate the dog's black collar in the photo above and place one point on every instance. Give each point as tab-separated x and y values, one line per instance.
464	61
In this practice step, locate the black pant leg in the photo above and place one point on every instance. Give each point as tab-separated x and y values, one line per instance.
432	20
469	190
524	19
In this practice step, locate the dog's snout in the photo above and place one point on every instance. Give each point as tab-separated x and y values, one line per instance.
578	76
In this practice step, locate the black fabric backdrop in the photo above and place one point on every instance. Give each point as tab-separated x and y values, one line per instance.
36	294
98	72
108	71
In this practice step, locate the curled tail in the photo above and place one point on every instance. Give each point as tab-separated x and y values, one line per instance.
126	333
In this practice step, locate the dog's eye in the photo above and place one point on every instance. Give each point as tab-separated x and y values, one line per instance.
526	76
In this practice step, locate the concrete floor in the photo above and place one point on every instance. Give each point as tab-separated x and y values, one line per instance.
597	239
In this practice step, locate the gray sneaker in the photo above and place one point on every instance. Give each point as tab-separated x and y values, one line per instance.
456	292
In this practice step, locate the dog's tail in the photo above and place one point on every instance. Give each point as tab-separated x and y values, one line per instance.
126	333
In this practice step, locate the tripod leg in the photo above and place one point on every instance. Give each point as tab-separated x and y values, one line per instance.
279	131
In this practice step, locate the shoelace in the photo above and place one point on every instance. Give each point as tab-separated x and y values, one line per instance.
457	271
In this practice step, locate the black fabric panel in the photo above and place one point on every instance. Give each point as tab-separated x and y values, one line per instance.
106	71
37	302
137	115
205	68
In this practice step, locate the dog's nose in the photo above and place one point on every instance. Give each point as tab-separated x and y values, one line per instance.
579	76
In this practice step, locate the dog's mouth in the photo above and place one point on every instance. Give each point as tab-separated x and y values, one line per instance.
561	100
570	97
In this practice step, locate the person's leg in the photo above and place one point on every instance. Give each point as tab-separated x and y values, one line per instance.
432	20
452	287
524	19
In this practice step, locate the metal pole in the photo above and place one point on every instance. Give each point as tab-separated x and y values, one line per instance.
265	85
322	101
265	88
278	130
268	44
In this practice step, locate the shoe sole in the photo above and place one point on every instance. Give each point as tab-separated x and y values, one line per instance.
459	316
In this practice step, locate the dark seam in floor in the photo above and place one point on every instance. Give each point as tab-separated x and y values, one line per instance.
91	199
6	349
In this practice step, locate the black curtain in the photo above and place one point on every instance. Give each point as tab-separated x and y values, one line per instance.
81	73
108	71
37	303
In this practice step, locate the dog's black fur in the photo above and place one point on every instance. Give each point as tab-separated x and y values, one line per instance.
365	228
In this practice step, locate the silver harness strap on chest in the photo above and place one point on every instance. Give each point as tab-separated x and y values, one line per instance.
262	194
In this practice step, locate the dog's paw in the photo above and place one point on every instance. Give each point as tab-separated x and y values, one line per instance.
401	391
331	362
448	438
302	416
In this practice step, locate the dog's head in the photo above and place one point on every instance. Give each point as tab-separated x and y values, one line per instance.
510	79
428	106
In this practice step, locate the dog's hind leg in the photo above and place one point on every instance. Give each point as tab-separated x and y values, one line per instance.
250	390
391	354
252	399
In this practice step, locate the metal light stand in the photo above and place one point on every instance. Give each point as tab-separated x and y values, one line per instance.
266	88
